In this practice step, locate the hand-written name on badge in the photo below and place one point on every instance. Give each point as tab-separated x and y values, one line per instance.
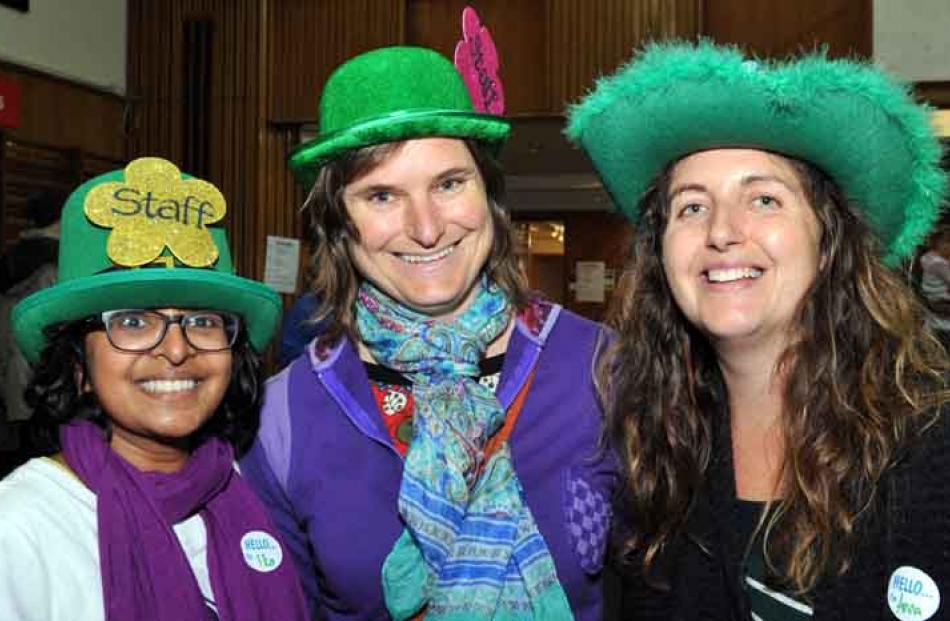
190	211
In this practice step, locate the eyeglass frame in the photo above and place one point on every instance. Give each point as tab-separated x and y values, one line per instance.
102	319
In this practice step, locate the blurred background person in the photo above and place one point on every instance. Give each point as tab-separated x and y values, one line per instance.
29	266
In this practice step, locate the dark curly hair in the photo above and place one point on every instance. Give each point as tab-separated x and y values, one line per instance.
55	391
863	380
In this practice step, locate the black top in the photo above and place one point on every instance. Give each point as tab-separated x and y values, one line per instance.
768	601
26	256
902	554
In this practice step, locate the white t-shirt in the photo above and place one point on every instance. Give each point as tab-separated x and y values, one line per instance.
49	550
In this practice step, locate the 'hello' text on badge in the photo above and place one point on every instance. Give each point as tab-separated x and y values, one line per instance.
912	595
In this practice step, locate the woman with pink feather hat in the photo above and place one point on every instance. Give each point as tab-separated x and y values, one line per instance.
435	451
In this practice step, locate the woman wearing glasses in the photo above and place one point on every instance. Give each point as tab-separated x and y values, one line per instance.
147	383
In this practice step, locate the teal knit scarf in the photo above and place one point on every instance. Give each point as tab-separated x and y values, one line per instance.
471	549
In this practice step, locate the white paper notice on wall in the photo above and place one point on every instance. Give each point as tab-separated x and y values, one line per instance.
589	286
282	263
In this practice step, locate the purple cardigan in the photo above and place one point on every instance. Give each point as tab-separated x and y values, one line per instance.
324	464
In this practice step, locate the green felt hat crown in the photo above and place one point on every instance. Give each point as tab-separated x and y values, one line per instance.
144	237
848	118
392	94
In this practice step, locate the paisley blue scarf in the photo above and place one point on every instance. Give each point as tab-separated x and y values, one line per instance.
471	549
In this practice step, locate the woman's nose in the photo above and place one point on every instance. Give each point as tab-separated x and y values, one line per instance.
424	222
174	347
725	227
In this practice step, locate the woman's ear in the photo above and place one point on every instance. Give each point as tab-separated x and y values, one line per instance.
80	374
82	382
81	377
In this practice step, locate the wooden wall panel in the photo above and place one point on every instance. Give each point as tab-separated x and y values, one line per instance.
156	86
60	113
778	29
309	39
154	35
589	38
67	132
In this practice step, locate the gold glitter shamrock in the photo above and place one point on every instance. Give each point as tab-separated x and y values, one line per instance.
153	209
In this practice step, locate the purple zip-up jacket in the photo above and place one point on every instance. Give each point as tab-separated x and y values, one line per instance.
326	467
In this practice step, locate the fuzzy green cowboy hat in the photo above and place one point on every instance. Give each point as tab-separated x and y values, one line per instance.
144	237
848	118
392	94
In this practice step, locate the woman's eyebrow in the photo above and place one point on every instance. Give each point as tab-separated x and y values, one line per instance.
687	187
757	178
458	170
371	189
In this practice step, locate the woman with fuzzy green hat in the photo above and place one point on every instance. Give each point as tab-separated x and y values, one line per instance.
776	402
435	451
147	381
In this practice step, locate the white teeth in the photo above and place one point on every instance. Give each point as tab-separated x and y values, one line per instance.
427	258
166	386
736	273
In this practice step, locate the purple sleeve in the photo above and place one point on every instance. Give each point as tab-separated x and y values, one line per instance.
257	467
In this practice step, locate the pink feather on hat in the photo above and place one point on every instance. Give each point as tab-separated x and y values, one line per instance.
477	61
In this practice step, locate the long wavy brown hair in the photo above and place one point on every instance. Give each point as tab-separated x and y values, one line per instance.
862	381
335	279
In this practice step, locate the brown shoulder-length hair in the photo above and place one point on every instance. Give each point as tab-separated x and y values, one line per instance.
335	279
862	381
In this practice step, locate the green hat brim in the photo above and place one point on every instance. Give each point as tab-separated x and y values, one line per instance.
306	160
853	122
259	305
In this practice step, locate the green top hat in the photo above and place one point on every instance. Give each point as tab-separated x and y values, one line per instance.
848	118
144	237
392	94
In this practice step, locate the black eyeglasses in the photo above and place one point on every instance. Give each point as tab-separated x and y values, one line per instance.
137	330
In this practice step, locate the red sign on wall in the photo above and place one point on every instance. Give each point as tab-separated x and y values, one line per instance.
9	102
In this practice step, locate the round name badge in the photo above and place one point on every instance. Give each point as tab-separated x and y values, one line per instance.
912	595
261	551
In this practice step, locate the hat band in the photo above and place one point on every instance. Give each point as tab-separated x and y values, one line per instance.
401	116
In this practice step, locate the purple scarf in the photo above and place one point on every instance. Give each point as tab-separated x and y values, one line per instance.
145	573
